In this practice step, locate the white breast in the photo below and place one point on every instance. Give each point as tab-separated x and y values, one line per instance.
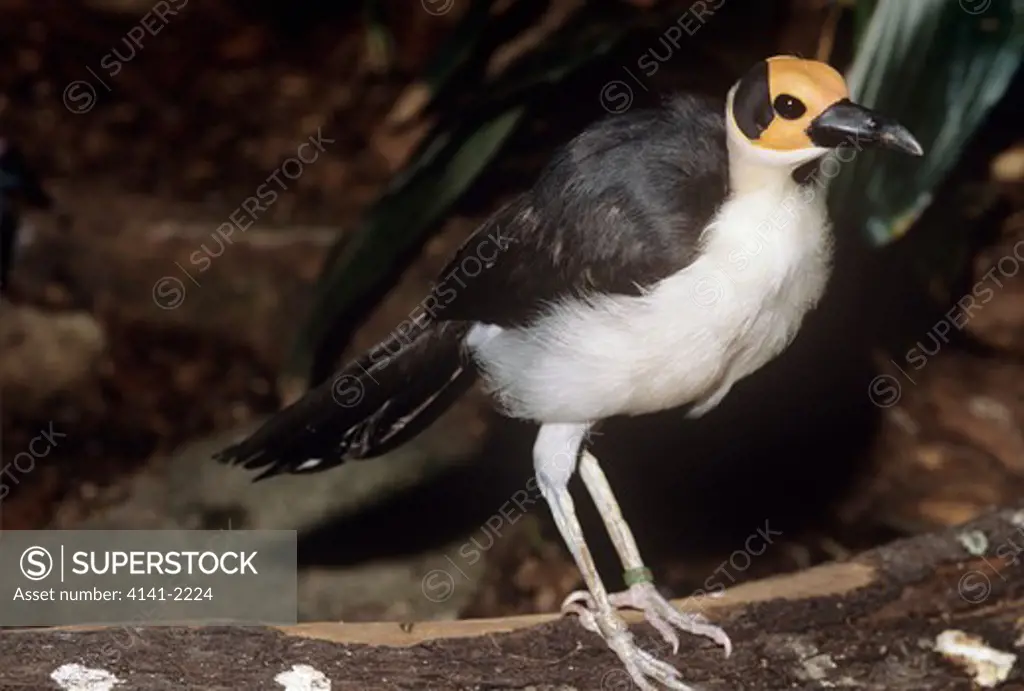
764	264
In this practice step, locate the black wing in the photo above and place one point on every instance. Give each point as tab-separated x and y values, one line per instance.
617	209
376	403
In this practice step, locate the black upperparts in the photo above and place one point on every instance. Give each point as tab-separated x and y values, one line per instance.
619	208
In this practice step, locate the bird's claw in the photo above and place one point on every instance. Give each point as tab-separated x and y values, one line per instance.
641	665
581	603
664	617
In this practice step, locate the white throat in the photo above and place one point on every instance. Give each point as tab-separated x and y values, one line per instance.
754	168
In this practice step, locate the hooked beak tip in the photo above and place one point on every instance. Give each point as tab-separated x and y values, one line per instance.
904	142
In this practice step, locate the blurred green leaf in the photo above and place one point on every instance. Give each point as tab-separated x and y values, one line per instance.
398	222
460	51
959	63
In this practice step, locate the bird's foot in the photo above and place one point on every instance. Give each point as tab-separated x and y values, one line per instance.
665	618
642	667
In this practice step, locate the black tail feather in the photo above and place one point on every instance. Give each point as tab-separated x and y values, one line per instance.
373	405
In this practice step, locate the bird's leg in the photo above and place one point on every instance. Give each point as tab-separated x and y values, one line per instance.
555	455
641	593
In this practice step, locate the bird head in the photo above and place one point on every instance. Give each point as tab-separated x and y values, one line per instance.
786	111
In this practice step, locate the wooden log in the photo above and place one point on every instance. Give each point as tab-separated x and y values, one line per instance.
869	623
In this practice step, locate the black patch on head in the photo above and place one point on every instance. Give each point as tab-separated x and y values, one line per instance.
752	104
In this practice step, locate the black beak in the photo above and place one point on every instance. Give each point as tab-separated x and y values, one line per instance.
845	121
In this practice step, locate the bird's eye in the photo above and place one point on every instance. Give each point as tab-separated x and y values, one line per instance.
789	107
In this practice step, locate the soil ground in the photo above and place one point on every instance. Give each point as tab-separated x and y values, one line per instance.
873	623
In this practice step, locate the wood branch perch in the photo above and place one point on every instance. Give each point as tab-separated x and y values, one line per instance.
869	623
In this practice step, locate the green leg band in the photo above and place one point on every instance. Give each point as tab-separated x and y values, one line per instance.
636	576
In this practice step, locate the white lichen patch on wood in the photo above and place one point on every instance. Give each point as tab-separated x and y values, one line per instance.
813	665
76	677
303	678
817	668
988	666
974	541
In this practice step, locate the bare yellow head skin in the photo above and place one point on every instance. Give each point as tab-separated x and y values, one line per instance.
798	86
795	109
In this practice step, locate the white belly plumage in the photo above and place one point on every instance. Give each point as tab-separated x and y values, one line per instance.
764	263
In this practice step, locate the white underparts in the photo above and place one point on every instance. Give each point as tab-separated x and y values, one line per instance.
764	262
